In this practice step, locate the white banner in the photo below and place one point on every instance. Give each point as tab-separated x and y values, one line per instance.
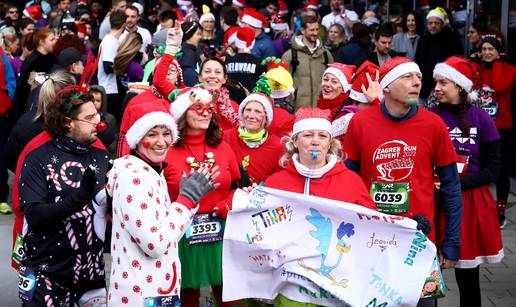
321	251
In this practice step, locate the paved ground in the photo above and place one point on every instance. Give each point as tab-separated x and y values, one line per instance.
498	282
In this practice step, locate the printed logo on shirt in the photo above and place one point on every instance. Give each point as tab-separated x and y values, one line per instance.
488	102
457	135
241	68
394	160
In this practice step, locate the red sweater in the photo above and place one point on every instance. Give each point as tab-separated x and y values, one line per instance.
260	162
333	105
500	77
339	183
194	145
282	123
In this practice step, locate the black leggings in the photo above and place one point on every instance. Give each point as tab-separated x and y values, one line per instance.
503	183
468	281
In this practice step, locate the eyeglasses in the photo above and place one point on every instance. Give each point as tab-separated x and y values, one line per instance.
91	117
200	107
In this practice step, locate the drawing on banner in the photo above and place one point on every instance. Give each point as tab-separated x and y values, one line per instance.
323	234
258	198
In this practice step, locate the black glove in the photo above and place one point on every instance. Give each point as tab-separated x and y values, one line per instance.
86	191
423	224
195	186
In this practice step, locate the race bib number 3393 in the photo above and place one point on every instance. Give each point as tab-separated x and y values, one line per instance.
390	198
205	228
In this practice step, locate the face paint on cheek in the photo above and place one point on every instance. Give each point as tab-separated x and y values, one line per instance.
146	144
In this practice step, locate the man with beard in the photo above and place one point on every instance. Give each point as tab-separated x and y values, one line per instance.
395	147
339	14
383	43
131	25
59	185
307	60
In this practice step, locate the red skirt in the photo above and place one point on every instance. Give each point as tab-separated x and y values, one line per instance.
480	236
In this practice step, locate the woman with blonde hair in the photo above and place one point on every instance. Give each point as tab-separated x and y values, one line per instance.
127	65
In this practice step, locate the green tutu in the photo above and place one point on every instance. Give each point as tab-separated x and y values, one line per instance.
283	301
201	264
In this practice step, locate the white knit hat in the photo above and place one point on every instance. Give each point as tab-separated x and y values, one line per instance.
261	98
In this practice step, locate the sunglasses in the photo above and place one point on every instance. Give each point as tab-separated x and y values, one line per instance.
13	12
200	107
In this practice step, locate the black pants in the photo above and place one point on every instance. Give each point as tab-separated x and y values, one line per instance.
468	281
114	106
503	183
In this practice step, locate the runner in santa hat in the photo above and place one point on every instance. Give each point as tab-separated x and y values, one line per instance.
283	8
335	86
200	144
263	46
148	226
395	147
256	149
313	167
166	71
364	92
477	143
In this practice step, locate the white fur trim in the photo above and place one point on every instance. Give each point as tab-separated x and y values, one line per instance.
312	7
435	14
267	105
398	71
280	26
312	124
341	124
206	16
237	3
358	96
339	75
282	94
253	22
241	44
448	72
473	263
147	122
182	102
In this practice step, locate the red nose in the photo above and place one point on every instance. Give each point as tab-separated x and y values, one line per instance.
101	126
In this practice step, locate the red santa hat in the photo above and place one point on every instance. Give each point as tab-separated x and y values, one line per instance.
361	79
283	8
146	116
394	68
244	38
34	12
312	5
459	70
263	99
279	23
186	98
342	72
239	3
310	118
232	35
253	18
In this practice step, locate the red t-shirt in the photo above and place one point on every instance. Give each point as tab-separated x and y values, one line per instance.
259	162
402	152
339	183
195	146
282	123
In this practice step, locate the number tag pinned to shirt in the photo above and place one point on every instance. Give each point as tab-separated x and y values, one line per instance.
162	301
18	250
205	228
390	198
26	283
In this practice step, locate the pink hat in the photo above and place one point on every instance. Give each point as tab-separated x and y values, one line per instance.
361	79
254	18
459	70
394	68
310	118
244	38
146	116
239	3
342	72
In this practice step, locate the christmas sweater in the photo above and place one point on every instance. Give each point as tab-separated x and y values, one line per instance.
62	247
259	162
196	147
146	229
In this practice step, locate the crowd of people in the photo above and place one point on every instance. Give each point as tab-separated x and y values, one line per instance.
129	123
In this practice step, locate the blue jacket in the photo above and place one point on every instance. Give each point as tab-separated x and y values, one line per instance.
10	79
263	47
352	53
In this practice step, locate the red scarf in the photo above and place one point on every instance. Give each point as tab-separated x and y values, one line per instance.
332	104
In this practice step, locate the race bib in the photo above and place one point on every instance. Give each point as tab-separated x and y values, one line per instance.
390	198
158	301
18	251
205	228
26	283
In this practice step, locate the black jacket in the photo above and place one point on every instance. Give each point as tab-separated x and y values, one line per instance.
373	57
189	61
433	49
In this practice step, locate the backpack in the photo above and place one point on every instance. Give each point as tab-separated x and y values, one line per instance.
294	62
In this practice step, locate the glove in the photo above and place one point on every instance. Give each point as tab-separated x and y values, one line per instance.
423	224
174	39
86	191
195	186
